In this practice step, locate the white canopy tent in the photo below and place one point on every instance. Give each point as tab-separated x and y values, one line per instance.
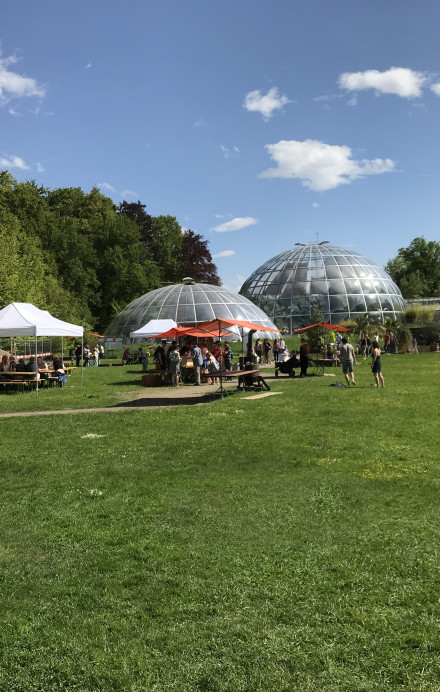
24	319
152	328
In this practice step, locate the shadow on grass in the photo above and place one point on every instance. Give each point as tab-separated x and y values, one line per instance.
169	401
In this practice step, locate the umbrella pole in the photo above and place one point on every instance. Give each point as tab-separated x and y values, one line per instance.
221	378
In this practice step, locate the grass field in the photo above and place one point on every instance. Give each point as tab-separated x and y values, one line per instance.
283	544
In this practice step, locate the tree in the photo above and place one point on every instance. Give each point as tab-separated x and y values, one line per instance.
135	211
197	260
316	335
416	269
164	244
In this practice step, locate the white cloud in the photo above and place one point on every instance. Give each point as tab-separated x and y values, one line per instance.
229	152
233	283
436	89
400	81
13	161
200	123
224	253
14	85
320	166
353	101
106	186
88	66
40	167
235	224
129	193
266	105
12	111
315	205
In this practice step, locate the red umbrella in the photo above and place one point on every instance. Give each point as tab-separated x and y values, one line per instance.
324	325
223	323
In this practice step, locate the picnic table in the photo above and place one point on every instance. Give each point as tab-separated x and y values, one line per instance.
246	378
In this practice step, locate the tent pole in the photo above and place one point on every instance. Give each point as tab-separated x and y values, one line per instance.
82	357
36	356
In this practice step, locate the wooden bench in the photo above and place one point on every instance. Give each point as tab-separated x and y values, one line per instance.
15	383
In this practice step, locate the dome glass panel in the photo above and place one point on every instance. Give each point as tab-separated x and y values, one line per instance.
342	283
188	304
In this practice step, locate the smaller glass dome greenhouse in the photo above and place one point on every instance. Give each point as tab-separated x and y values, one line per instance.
342	283
188	304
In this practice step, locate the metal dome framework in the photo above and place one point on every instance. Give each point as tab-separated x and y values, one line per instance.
341	282
188	304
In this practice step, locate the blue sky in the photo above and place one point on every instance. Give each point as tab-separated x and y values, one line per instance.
257	124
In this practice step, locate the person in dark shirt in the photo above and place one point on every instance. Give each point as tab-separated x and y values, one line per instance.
32	366
160	357
304	353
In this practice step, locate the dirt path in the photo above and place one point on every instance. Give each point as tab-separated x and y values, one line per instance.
144	400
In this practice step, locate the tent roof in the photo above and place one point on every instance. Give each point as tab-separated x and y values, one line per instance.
24	319
178	332
153	327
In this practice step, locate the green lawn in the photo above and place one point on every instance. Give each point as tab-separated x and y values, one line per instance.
289	543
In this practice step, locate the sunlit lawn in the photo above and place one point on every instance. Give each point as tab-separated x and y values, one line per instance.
288	543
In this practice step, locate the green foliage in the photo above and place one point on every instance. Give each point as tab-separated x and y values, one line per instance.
316	335
79	256
431	330
418	314
197	260
416	269
403	336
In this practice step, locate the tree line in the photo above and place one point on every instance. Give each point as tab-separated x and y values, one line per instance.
83	258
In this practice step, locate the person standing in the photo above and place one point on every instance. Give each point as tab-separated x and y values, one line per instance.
174	364
160	357
304	352
143	357
227	358
197	362
78	354
348	360
267	347
276	350
376	366
414	345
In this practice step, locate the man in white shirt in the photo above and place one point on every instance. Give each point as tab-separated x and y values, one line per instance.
348	360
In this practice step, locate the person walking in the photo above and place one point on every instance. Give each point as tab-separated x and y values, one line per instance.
376	366
197	362
348	360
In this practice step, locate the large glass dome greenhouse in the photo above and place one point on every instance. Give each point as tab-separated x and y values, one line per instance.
188	304
342	283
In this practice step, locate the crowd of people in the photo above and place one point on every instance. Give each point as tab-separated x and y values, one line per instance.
88	356
208	361
36	368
